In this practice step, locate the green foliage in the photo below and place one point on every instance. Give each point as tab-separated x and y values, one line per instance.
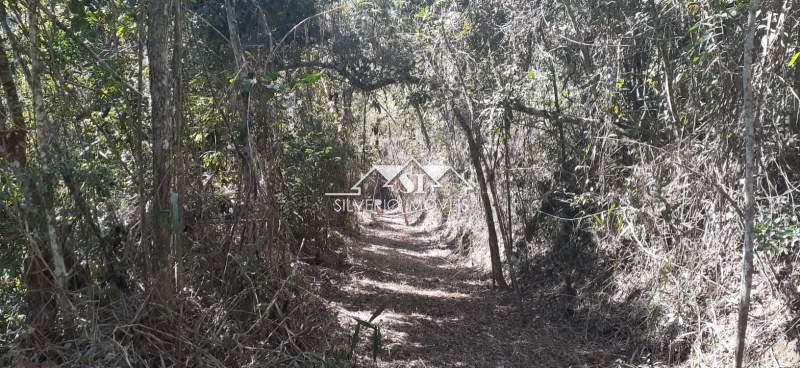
424	13
78	10
693	8
314	162
793	60
306	80
13	245
778	238
478	52
466	28
12	291
612	217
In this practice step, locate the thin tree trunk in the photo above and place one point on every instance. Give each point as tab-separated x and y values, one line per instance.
663	47
159	15
562	153
241	106
587	54
177	63
38	279
12	143
47	143
475	157
498	208
423	128
749	192
178	217
364	134
233	31
509	247
348	119
138	147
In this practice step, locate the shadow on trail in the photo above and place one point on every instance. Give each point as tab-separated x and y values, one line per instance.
440	313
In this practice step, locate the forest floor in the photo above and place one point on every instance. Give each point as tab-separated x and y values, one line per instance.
439	312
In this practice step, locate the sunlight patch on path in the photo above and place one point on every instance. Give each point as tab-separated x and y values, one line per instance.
429	253
426	253
397	288
387	318
439	311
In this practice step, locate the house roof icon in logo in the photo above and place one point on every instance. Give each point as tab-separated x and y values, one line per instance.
391	175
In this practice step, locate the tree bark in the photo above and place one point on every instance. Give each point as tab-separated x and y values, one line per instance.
47	144
587	54
242	107
748	118
233	33
423	128
12	142
138	147
178	90
491	181
509	246
159	17
42	309
475	157
562	153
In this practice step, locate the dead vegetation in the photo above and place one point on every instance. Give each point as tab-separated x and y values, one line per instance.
165	169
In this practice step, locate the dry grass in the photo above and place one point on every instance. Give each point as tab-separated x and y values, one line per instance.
225	316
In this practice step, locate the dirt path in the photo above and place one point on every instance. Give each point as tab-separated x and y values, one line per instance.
440	313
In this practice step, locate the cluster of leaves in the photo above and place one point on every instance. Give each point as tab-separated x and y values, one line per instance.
778	237
12	256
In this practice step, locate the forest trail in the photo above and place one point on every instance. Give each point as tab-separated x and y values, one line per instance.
441	313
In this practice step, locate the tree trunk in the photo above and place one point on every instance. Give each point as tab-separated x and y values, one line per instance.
42	191
42	309
562	152
509	246
498	209
348	119
159	17
138	147
244	79
749	193
495	197
12	142
475	157
423	128
178	90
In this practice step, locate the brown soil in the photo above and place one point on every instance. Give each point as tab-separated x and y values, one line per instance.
441	313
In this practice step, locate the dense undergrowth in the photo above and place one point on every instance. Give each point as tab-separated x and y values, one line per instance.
183	222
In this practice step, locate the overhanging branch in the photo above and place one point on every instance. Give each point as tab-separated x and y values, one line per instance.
518	106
